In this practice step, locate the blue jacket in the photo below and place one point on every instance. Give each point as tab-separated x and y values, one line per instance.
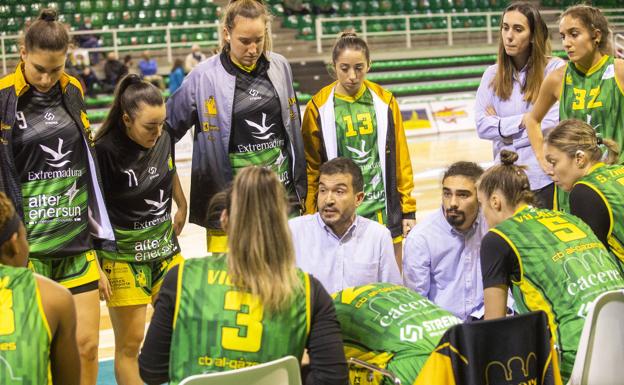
175	79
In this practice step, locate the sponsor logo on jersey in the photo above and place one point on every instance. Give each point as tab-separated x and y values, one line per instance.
581	278
57	158
411	333
49	118
262	130
360	156
45	208
516	371
158	207
254	94
153	172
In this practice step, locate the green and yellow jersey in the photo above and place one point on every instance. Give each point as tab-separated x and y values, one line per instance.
218	327
389	326
608	183
356	134
25	335
595	97
563	267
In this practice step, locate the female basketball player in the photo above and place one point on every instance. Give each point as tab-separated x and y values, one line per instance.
575	153
47	168
509	88
206	303
550	258
358	119
590	88
136	163
244	109
38	335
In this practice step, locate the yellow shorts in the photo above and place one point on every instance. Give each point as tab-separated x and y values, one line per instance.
216	241
135	283
78	273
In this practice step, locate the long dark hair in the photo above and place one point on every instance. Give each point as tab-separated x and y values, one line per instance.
130	92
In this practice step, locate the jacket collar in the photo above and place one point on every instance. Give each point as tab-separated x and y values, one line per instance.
21	85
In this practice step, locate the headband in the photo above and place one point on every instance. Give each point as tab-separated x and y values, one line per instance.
10	227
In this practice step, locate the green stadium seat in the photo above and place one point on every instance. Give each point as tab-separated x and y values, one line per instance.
112	18
176	15
163	4
132	5
161	16
191	15
116	5
20	10
145	17
35	8
84	6
373	8
101	5
97	20
149	4
207	13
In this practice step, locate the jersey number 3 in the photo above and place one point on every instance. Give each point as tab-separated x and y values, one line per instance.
247	336
7	317
365	128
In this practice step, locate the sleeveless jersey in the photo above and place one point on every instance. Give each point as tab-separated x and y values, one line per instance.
25	336
390	326
138	190
219	327
608	183
51	158
563	268
257	136
596	98
356	133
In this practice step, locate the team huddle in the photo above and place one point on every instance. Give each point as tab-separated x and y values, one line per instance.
314	250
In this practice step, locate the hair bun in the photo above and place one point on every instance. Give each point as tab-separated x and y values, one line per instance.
508	158
348	34
48	14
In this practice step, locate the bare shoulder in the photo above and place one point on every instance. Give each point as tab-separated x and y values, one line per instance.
619	71
55	299
553	82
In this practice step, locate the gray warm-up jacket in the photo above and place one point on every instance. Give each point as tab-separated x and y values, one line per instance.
205	100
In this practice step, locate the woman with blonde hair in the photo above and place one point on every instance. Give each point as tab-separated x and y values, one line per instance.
249	306
509	88
578	166
245	112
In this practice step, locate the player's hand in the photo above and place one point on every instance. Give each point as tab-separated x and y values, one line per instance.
104	286
408	224
179	220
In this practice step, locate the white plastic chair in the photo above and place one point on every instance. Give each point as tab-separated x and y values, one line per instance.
600	356
284	371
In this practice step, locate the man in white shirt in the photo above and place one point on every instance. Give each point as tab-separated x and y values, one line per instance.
340	248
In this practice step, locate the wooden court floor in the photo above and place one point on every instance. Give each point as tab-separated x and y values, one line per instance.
430	155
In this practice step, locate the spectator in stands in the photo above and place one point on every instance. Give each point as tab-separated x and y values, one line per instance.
89	40
337	246
149	70
63	231
128	62
176	75
510	87
441	256
38	333
550	258
244	110
204	302
194	58
114	70
588	88
87	75
358	119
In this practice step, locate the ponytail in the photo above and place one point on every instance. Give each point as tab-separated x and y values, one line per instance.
572	135
129	94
